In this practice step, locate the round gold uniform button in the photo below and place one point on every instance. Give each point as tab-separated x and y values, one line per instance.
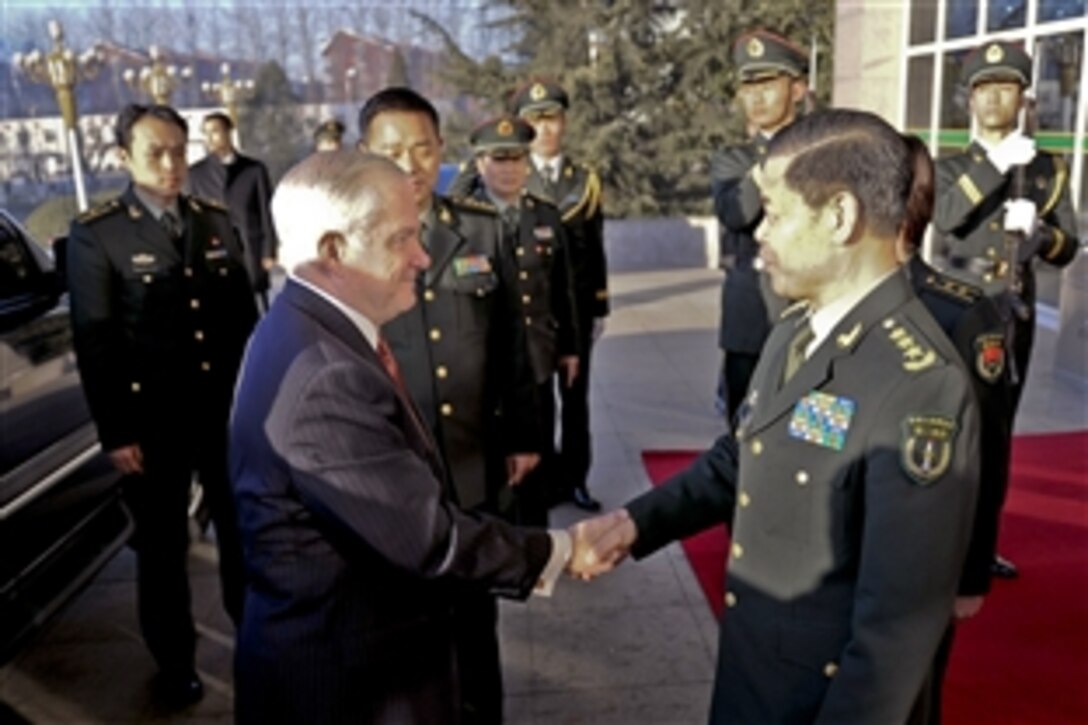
435	334
757	447
526	299
528	321
135	387
205	366
446	409
831	669
199	336
188	271
428	295
148	278
745	499
730	599
802	478
523	274
738	550
194	303
441	372
222	271
520	251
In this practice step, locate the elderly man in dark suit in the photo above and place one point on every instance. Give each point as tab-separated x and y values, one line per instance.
242	184
355	550
850	487
161	310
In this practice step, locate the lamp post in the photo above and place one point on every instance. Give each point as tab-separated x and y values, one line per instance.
228	91
62	70
157	79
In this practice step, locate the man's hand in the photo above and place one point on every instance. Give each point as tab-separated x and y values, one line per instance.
128	459
967	607
600	543
1021	215
568	367
1016	149
519	465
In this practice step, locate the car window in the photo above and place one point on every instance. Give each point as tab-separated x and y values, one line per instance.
18	269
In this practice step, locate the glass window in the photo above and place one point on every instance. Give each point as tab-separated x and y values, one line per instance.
923	21
1003	14
955	113
961	18
919	92
1060	9
1057	89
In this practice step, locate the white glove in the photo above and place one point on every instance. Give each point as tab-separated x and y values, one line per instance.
1016	149
1021	216
598	328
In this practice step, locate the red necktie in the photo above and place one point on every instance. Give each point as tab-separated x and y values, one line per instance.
390	364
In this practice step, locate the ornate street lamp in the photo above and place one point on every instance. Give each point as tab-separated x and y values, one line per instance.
157	79
228	92
62	70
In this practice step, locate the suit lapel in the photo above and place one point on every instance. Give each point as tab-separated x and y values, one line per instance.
441	240
773	402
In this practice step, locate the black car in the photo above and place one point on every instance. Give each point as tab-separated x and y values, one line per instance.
61	512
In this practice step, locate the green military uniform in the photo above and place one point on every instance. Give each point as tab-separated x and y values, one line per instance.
971	242
850	491
749	306
160	326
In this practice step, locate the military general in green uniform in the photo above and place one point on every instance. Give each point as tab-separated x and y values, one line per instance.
1003	206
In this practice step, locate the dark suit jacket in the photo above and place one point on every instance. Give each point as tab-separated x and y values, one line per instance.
463	353
353	548
854	490
749	306
245	189
159	327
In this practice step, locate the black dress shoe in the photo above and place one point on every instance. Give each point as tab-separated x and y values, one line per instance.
175	691
584	501
1003	568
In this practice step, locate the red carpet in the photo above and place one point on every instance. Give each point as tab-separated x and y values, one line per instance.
1024	658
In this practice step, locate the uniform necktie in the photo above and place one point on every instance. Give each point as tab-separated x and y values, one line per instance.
171	224
510	219
795	354
550	175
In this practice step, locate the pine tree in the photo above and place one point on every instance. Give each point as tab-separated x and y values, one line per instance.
398	70
269	125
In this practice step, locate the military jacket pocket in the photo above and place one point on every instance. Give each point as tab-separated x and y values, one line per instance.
476	284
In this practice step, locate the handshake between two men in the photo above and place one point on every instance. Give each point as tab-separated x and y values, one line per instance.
600	543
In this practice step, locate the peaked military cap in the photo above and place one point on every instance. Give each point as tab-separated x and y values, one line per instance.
761	54
540	96
506	133
330	129
997	61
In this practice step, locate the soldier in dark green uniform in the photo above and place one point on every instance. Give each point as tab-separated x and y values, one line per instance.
772	73
1002	204
464	357
534	237
161	311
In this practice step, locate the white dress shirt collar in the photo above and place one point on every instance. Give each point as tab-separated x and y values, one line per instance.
825	319
368	329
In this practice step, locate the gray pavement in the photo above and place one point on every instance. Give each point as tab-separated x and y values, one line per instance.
634	647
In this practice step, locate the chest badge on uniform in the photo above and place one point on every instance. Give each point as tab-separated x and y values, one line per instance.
143	262
471	264
990	356
822	419
543	232
211	254
926	447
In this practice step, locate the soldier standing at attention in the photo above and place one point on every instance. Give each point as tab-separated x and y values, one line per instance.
161	311
772	73
534	237
1001	204
576	190
463	355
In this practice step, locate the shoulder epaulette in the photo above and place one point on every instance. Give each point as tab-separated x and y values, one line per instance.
793	309
590	202
916	350
196	203
958	291
97	212
472	204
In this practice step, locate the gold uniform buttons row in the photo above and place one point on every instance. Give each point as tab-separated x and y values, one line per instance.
428	295
198	336
194	303
523	275
526	299
206	366
441	372
744	500
730	599
757	447
446	409
435	334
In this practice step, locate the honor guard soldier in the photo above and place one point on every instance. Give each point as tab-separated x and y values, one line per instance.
1002	204
161	311
772	75
973	323
329	135
463	354
534	237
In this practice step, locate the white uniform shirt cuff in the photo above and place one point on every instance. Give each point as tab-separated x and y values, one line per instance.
561	552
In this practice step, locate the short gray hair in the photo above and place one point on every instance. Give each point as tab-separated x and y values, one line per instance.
329	192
